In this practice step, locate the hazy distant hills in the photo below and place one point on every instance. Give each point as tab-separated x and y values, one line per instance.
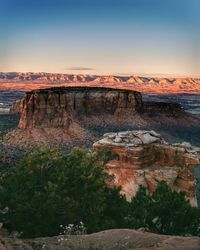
45	77
143	84
65	78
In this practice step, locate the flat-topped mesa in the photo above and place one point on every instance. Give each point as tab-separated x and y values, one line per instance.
59	107
90	106
144	158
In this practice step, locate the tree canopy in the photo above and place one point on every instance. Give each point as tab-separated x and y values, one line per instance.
48	189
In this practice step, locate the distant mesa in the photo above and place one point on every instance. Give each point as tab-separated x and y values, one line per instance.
142	84
88	106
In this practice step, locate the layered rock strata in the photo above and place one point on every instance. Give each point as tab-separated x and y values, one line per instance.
144	158
60	107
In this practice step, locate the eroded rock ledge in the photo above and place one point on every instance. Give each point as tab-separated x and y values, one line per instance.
144	158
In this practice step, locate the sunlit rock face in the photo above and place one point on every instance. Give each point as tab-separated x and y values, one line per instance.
144	158
60	107
88	106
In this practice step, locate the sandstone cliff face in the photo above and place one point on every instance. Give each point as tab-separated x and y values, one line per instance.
76	116
144	158
60	107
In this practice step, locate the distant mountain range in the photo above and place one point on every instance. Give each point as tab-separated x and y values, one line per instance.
143	84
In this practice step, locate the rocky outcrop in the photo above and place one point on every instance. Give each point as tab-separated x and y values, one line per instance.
64	115
114	239
60	107
145	107
144	158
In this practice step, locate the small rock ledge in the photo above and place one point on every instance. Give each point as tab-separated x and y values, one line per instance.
145	158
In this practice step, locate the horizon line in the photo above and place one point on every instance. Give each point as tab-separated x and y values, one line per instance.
154	75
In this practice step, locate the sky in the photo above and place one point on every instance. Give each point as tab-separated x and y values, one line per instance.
101	37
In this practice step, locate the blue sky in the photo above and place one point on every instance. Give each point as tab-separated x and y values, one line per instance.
148	37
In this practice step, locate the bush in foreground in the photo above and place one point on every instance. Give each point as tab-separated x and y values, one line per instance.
165	211
49	189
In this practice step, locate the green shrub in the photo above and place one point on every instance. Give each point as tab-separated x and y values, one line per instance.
106	155
165	211
48	189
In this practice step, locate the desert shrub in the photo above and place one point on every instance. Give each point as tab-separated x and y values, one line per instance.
48	189
165	211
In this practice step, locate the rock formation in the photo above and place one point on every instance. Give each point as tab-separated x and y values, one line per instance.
144	158
139	83
60	107
114	239
64	115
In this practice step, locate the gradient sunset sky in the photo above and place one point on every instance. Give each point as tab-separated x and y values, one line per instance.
121	37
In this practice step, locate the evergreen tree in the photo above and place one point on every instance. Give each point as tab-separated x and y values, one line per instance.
48	189
165	211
